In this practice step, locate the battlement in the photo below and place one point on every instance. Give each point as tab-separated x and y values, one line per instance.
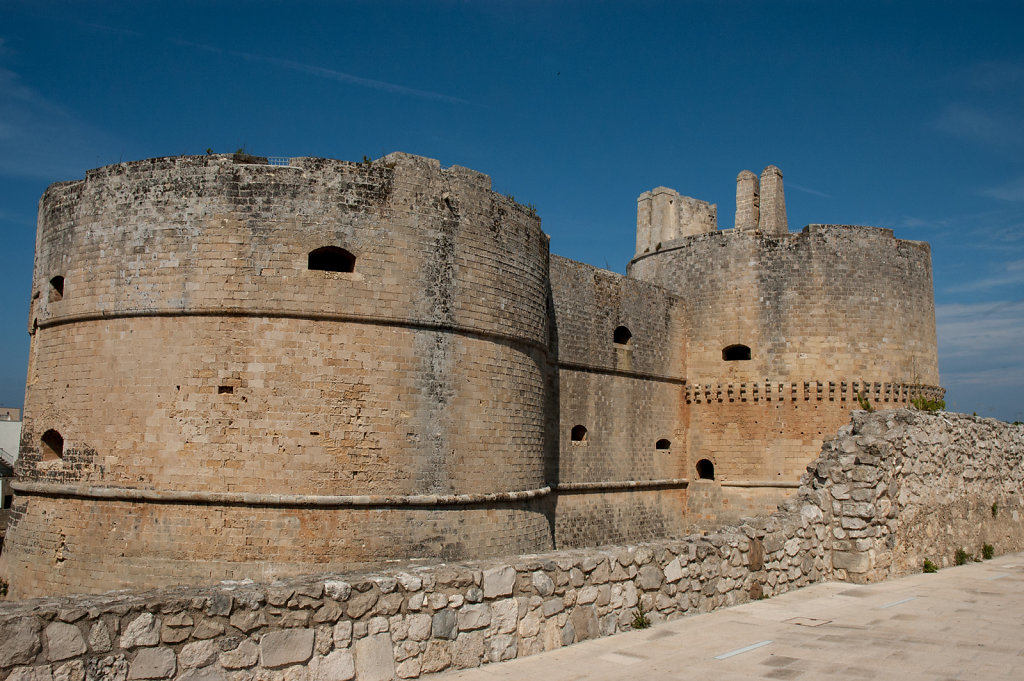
811	391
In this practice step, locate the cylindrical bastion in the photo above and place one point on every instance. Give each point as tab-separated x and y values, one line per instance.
241	369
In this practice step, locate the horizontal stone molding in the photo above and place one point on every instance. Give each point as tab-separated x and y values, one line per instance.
608	371
254	499
810	391
418	324
620	484
778	484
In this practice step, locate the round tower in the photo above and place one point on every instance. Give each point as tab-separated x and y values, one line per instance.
241	369
788	332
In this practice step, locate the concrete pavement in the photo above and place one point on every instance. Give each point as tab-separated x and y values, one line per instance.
960	623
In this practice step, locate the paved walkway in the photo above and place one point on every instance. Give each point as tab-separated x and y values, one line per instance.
960	623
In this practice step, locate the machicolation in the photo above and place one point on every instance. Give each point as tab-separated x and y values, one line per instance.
246	370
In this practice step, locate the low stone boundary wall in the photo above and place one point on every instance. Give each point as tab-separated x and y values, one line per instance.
906	486
860	514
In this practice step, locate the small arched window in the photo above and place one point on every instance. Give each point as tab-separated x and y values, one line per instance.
579	434
56	289
663	444
734	353
622	336
705	470
332	259
52	445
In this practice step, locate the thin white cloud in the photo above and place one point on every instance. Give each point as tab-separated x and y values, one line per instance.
331	74
808	190
1010	191
38	138
980	361
1006	274
981	331
980	125
992	76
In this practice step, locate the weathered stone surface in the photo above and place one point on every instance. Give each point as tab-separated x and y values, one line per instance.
337	666
221	603
204	674
69	671
244	656
501	647
337	590
543	584
419	627
99	637
437	657
468	650
248	620
650	577
152	663
673	571
208	628
144	630
854	561
342	634
63	641
109	668
498	581
409	582
198	654
374	660
409	668
41	673
474	617
282	648
360	603
445	624
19	641
584	622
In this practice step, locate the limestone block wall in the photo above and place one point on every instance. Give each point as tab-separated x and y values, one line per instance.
212	390
888	481
814	318
619	378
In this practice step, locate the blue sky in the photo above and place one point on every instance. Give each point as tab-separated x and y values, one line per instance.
904	115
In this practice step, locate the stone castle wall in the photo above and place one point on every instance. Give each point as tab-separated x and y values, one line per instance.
616	485
224	408
892	489
825	313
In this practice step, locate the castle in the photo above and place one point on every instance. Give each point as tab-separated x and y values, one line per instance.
248	369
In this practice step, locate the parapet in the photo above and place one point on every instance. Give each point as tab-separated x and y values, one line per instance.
664	215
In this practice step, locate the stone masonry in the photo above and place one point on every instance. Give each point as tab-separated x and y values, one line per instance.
893	488
245	369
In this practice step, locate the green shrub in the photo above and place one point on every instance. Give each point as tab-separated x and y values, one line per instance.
987	551
929	566
640	620
961	557
995	508
864	402
922	403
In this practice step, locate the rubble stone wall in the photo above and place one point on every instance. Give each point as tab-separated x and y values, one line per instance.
892	488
